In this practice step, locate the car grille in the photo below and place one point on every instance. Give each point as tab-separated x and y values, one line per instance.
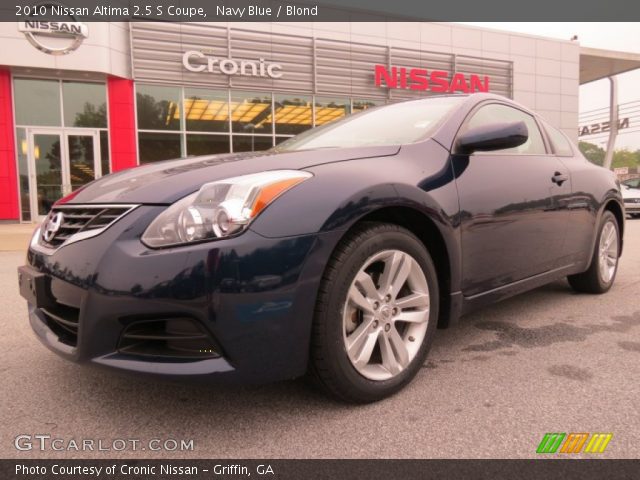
632	200
88	220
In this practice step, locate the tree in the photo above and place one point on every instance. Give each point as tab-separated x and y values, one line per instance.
621	158
592	152
626	158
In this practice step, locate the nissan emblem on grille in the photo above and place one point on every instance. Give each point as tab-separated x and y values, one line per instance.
53	225
71	223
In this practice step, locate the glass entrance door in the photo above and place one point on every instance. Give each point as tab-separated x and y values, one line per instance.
59	163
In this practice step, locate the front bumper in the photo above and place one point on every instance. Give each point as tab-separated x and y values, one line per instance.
632	207
255	296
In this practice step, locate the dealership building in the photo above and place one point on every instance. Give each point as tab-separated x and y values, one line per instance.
79	101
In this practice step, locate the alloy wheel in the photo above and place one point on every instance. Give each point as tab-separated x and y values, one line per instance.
386	314
608	252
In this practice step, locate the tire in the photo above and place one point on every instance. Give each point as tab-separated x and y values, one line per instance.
388	321
602	272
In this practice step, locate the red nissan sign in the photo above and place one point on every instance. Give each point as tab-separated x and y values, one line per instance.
433	80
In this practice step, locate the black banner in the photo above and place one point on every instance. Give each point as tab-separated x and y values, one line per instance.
122	469
316	11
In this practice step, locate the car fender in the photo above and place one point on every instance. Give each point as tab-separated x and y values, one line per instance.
332	201
322	203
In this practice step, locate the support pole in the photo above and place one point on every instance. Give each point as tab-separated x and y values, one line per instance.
613	122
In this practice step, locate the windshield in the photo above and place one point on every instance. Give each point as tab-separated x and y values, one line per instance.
395	124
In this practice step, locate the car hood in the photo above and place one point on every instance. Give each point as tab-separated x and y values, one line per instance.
628	192
168	181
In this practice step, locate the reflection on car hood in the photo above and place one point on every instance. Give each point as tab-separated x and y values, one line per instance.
167	181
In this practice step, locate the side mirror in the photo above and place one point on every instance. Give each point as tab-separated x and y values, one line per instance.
494	136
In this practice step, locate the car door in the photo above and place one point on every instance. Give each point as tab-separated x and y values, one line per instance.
581	220
512	214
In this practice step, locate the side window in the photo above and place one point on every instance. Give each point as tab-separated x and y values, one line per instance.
559	142
497	113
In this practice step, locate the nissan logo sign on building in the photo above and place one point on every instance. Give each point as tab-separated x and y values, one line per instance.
601	127
54	38
432	80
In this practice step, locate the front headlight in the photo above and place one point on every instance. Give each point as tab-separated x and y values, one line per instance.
219	209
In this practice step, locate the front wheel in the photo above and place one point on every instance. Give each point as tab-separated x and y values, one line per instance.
604	264
376	314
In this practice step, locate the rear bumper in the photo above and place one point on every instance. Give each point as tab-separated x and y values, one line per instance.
254	296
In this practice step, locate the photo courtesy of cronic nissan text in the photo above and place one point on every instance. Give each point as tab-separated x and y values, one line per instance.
319	239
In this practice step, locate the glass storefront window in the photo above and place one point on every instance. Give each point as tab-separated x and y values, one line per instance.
23	172
359	105
204	121
330	109
251	113
62	120
293	114
158	107
251	143
206	110
158	146
37	102
207	144
84	104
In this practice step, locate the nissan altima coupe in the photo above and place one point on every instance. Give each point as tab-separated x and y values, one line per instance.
337	253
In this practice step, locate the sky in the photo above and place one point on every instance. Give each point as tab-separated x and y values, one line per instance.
613	36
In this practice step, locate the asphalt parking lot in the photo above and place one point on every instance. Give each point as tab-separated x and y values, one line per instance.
545	361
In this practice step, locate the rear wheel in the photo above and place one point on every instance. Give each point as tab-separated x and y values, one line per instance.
604	264
376	314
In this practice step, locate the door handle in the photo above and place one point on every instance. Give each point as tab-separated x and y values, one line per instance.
559	178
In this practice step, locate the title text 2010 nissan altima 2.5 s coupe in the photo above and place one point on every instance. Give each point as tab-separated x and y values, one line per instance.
337	253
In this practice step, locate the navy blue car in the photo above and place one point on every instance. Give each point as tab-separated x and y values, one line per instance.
337	253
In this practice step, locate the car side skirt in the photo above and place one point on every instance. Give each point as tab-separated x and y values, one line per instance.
471	303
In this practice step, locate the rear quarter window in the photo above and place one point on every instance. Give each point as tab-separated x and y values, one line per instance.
560	144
